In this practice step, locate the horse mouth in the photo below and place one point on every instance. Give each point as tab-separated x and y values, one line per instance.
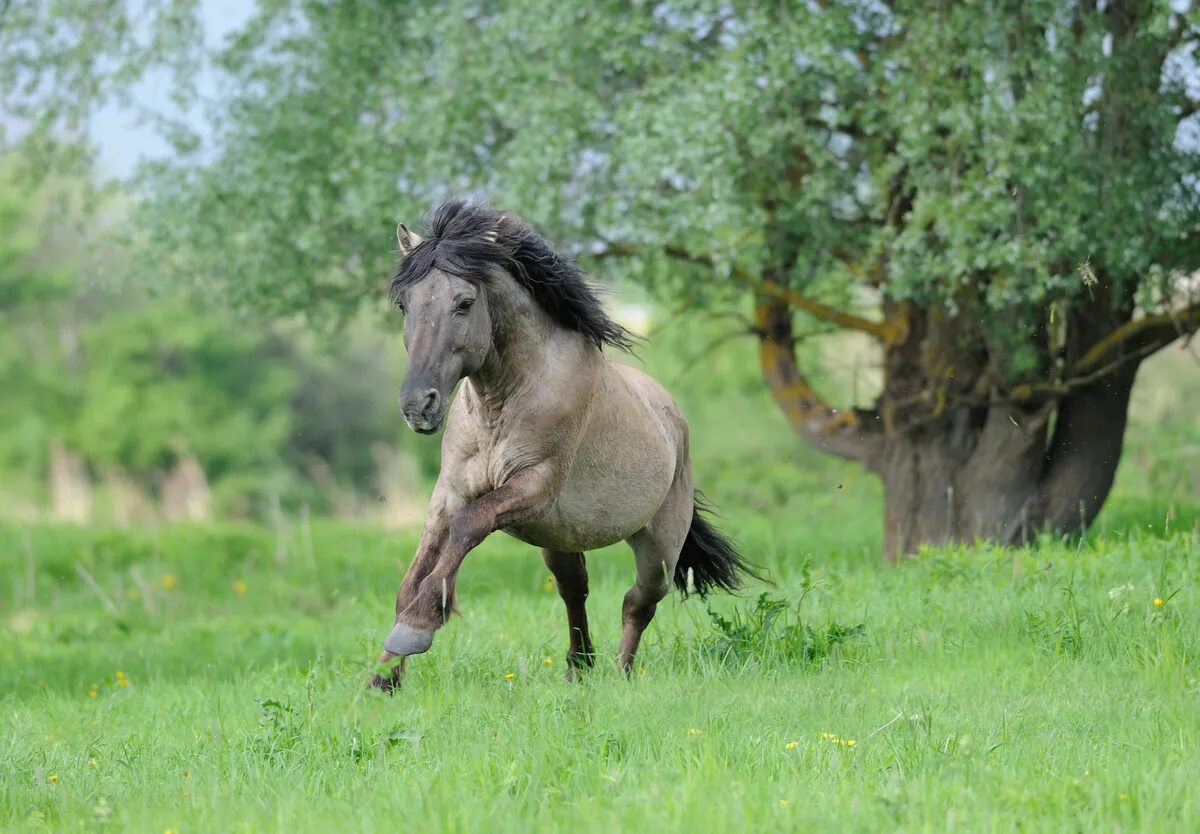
424	425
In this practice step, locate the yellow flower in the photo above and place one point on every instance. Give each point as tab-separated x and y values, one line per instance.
53	777
783	803
239	587
548	585
168	581
170	831
1158	603
833	739
509	676
93	692
120	674
693	731
91	762
547	661
791	745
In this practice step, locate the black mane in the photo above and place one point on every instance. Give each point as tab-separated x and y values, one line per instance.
464	239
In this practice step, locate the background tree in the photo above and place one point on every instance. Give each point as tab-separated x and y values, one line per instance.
1001	195
133	390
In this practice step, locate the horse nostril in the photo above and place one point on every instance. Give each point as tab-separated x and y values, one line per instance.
432	400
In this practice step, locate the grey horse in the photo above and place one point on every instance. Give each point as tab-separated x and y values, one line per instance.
547	439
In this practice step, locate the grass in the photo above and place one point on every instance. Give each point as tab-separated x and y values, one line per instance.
210	678
983	689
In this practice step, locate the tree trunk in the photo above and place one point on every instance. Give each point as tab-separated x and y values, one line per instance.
956	481
70	486
955	472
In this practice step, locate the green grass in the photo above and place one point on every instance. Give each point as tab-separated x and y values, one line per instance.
985	689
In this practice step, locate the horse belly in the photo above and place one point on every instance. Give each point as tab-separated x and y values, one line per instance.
601	506
568	532
563	532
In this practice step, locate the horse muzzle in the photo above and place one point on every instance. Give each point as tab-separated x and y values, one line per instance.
423	410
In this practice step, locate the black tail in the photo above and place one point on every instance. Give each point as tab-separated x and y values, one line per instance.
709	559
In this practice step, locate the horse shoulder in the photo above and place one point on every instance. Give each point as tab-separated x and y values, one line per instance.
464	470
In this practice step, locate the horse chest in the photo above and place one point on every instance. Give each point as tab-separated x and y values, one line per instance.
471	479
484	467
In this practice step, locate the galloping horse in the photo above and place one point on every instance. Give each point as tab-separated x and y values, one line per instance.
547	440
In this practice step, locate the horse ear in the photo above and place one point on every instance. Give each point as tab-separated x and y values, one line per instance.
493	234
406	239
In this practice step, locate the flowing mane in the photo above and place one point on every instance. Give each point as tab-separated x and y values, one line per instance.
465	239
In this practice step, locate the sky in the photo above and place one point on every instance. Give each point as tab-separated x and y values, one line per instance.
120	140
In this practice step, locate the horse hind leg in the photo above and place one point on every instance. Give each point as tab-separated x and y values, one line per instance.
570	576
656	550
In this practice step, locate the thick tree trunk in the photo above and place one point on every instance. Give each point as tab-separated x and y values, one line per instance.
958	466
1082	460
956	480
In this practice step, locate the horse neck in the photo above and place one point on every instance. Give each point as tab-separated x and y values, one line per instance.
525	341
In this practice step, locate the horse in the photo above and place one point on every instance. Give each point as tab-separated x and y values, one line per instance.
547	439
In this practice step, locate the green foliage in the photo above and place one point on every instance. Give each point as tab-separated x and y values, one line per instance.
134	384
37	396
166	380
131	385
978	153
771	632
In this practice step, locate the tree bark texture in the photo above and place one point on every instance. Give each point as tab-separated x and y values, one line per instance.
959	465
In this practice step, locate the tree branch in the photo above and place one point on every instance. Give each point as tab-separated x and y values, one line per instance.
1028	393
1141	337
852	434
1132	342
818	310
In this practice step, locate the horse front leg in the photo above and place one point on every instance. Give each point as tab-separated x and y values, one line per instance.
521	497
433	538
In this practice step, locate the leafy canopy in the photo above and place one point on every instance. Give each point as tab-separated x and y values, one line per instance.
992	154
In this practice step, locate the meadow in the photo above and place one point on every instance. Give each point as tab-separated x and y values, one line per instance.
211	678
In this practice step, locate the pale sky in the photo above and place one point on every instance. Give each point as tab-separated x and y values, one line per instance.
120	139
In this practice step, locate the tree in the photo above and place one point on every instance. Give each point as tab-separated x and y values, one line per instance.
136	391
1001	194
36	396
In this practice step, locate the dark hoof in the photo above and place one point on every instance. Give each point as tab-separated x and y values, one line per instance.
405	640
388	685
388	681
578	665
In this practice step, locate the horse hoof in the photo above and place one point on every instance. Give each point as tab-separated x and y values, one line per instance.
390	674
578	664
388	684
406	640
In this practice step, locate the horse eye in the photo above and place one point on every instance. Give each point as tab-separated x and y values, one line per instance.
400	307
462	307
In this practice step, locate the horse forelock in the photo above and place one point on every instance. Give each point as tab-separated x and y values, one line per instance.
467	240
